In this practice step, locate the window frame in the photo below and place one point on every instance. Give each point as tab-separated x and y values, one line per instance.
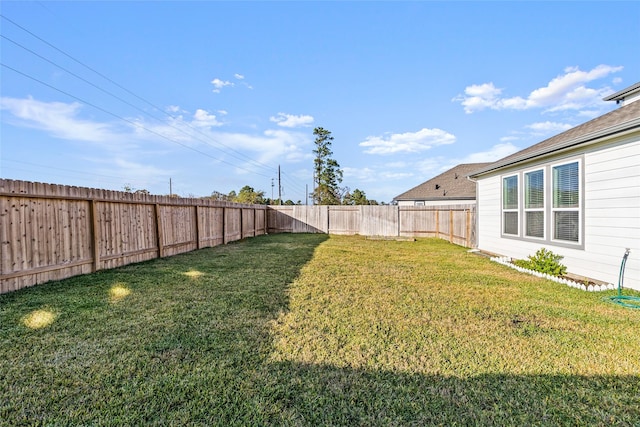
548	209
542	209
505	210
578	209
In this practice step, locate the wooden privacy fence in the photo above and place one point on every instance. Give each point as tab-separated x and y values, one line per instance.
455	223
50	232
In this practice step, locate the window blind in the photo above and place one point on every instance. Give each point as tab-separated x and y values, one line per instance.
566	186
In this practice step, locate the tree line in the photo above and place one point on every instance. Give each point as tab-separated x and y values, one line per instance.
327	177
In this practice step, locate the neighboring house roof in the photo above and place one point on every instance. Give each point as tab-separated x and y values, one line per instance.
452	184
623	119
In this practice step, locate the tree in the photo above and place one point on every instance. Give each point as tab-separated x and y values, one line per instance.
327	172
357	197
248	195
216	195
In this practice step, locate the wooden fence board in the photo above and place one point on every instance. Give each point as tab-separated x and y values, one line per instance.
50	232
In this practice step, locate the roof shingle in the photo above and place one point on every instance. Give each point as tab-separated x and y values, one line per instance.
452	184
624	118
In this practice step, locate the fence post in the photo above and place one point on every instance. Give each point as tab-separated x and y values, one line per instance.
328	219
224	225
197	227
95	234
450	226
159	231
468	228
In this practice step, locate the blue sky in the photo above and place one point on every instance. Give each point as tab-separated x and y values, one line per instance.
217	95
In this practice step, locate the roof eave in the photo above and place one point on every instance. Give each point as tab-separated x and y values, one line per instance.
622	93
584	139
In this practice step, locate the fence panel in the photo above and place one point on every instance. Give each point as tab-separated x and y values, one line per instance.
232	224
50	232
298	219
417	222
344	219
44	238
248	220
210	226
379	221
179	229
125	233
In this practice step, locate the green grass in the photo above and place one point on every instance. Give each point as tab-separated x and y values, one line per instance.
316	330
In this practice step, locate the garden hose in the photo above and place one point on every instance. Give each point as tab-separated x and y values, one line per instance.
624	300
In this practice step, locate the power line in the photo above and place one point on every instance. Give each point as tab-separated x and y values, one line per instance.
295	183
60	169
137	125
244	156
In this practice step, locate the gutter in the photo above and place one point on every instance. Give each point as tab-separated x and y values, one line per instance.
588	139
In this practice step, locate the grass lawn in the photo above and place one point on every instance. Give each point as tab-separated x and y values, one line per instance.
317	330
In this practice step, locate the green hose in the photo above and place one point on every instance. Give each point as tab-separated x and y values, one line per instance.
624	300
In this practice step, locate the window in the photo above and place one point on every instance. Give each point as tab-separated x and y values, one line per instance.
534	204
566	202
510	205
416	203
544	204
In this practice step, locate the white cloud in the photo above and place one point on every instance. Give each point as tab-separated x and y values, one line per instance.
543	128
565	92
365	174
509	138
493	154
292	121
57	118
238	76
219	84
202	118
408	142
269	146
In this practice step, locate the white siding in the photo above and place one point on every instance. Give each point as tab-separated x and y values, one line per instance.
612	212
611	216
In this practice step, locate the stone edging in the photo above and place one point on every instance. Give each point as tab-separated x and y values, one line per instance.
589	288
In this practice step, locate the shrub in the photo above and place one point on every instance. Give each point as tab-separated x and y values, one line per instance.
544	261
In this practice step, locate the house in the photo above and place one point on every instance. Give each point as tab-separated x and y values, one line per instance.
576	194
449	188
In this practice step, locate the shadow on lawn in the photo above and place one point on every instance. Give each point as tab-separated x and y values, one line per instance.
325	395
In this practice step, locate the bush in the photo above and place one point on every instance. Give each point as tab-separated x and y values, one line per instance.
544	261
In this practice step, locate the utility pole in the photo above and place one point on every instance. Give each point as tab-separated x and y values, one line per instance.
279	187
272	190
170	189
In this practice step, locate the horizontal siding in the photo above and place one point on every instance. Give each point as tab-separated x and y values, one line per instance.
611	216
488	212
612	212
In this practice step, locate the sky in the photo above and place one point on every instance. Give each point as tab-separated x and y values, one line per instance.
207	96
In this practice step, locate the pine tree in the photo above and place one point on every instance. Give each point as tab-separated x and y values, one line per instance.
327	172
